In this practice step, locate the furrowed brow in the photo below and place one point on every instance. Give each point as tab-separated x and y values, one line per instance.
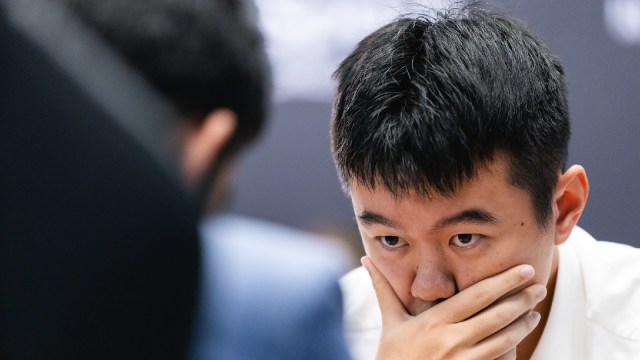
476	216
371	218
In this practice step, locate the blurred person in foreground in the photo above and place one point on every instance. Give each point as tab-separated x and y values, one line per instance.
450	134
267	292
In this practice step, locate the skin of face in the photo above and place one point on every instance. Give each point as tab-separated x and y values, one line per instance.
430	248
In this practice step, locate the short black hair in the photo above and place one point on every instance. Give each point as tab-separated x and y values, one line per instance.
200	55
426	100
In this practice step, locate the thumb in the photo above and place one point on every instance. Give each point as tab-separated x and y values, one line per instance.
391	308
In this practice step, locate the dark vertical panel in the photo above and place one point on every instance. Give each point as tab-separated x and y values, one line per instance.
98	246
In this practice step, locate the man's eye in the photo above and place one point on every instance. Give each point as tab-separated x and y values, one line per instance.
465	240
391	242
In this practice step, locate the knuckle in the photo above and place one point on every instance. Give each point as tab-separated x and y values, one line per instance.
502	317
429	323
450	343
484	296
535	294
448	346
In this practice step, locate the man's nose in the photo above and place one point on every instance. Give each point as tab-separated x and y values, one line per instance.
432	283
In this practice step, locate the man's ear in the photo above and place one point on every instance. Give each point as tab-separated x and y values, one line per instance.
570	199
203	142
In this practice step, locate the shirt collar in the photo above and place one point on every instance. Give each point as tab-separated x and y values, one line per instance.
564	334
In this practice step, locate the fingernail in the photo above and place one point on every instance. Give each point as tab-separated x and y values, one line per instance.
535	316
527	272
540	291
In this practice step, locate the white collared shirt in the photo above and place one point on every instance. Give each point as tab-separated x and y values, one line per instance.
595	313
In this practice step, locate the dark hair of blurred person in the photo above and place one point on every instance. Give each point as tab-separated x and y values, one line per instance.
203	56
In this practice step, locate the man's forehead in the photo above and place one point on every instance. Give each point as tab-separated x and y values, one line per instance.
494	171
378	188
486	199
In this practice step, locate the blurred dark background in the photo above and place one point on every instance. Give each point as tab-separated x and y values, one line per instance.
289	176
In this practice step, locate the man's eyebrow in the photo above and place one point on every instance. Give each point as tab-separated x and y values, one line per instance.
477	216
371	218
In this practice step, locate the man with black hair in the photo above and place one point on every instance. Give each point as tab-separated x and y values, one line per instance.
450	135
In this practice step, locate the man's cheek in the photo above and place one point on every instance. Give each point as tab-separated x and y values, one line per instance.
398	276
